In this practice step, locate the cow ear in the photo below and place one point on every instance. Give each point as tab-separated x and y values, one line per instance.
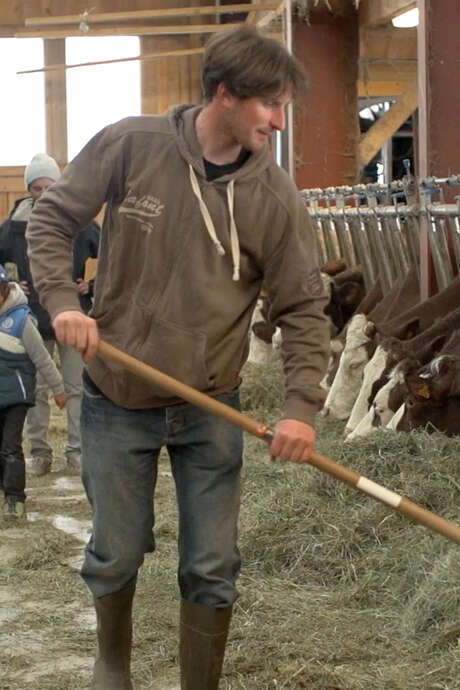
436	345
419	388
410	330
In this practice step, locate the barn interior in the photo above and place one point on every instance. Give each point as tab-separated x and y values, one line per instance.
339	592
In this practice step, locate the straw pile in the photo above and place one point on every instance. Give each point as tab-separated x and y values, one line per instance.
337	591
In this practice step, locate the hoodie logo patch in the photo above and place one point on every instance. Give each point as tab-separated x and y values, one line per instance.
143	209
315	283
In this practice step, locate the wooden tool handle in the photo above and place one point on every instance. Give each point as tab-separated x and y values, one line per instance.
353	479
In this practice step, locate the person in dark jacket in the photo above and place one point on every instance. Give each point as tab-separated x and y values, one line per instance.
85	246
39	175
22	353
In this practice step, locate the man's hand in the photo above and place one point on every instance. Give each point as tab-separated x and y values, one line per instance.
61	400
24	285
293	441
78	330
82	286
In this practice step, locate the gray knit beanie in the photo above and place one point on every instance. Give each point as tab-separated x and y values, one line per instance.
41	165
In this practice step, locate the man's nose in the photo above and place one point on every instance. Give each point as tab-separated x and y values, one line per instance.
278	119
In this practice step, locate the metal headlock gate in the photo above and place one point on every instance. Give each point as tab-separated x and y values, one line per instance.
378	226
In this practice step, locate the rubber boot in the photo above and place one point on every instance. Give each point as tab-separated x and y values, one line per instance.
114	634
203	635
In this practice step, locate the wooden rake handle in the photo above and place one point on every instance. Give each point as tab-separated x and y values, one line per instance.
353	479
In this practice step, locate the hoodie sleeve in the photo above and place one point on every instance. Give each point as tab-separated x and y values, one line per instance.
40	356
92	178
298	297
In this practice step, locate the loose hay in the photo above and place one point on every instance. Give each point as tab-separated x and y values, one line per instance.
337	591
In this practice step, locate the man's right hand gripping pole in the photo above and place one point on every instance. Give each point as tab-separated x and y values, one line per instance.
78	330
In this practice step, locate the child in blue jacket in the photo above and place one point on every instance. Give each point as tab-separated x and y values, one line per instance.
22	353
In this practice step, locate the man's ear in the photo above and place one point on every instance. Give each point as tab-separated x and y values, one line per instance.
223	94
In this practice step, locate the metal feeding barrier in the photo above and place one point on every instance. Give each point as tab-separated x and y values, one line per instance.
378	226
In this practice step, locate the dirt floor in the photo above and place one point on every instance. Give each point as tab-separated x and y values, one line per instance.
337	592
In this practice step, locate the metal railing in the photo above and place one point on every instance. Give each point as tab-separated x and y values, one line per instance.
378	226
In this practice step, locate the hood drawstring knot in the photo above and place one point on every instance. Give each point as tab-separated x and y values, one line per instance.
234	242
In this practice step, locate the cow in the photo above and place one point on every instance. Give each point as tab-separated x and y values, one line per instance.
346	291
360	345
433	401
433	319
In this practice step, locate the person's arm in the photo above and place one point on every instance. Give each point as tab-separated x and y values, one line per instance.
93	177
297	301
43	361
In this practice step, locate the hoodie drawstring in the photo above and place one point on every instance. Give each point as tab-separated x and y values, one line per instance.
234	242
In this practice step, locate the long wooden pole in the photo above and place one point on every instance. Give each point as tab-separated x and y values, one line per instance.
353	479
147	56
128	30
135	15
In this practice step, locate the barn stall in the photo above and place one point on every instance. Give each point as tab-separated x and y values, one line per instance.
338	591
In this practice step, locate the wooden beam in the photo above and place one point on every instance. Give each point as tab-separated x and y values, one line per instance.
150	56
119	17
372	141
385	78
375	12
388	42
127	31
56	103
381	89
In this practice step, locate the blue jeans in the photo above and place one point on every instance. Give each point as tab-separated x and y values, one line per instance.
120	450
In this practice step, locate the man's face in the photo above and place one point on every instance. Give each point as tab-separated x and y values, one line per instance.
40	185
252	121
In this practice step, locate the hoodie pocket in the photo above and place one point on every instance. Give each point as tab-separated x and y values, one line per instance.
176	351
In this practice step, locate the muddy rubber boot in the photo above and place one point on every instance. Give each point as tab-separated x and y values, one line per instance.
203	635
114	634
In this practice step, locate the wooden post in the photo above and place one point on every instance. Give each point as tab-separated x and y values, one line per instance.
326	126
439	103
56	102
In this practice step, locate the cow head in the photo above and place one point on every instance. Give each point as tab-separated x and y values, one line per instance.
434	396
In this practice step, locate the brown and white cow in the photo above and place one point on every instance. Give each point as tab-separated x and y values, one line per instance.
360	345
434	393
435	325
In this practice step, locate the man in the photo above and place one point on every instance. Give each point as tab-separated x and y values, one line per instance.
39	175
198	216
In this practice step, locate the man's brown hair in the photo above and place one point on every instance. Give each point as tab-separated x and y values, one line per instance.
250	65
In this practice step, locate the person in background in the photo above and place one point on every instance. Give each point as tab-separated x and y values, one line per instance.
198	217
22	353
39	175
85	246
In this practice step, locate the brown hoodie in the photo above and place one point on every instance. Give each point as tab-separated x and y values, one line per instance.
167	288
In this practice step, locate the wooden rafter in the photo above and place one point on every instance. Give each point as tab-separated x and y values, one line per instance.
143	15
127	31
148	56
373	140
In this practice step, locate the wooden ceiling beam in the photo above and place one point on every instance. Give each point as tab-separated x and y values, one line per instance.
377	12
126	31
143	15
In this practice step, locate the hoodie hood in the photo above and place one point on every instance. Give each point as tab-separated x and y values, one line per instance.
182	120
